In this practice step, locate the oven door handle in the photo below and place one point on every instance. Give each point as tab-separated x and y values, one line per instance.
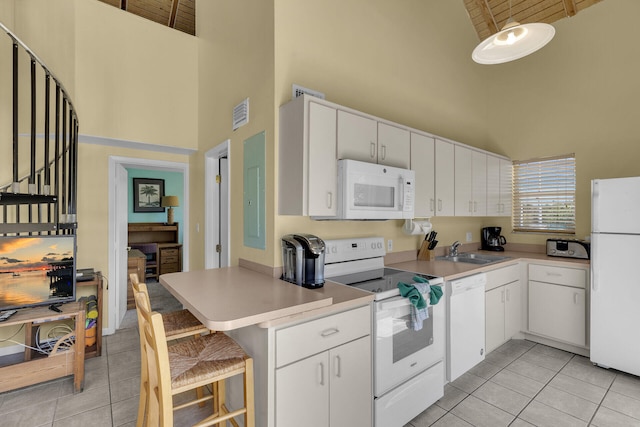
395	302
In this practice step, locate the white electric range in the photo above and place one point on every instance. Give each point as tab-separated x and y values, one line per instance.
408	363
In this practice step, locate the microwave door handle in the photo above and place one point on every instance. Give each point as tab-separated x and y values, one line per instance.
401	195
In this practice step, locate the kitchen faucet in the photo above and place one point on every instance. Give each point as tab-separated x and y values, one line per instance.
454	248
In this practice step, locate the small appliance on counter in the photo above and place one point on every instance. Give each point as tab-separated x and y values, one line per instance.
492	240
568	248
303	260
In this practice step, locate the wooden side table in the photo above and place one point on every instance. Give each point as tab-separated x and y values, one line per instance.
37	368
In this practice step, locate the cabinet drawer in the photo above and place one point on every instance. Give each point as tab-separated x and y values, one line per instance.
169	252
299	341
558	275
169	259
502	276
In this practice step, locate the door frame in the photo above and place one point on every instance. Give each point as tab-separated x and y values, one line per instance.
214	229
118	220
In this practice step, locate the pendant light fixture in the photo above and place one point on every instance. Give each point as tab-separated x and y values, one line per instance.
513	42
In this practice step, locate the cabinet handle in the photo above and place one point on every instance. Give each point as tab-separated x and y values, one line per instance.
329	199
384	152
372	150
575	298
554	274
439	205
502	295
329	332
432	205
321	373
337	367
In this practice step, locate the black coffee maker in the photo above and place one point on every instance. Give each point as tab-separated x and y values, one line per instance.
492	240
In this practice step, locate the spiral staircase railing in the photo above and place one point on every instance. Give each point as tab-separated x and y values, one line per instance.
41	197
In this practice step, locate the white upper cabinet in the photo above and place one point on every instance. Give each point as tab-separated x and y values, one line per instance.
423	164
498	186
308	167
470	182
393	146
357	137
445	169
365	139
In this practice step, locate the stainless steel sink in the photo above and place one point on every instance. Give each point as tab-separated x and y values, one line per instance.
470	258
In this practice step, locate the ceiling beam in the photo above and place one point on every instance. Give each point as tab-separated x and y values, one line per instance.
174	12
570	7
123	4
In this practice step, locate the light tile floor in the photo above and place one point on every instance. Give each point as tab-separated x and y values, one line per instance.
526	384
519	384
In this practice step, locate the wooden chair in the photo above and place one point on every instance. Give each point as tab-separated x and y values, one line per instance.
177	324
189	364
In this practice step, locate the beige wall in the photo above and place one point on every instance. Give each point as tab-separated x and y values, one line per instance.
577	95
236	62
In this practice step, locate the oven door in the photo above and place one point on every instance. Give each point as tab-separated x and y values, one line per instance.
400	352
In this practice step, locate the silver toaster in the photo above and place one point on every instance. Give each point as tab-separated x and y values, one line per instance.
568	248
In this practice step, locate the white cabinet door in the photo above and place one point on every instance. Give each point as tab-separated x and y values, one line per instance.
323	168
506	184
445	170
557	312
463	179
498	186
302	393
494	312
393	146
357	137
423	164
351	396
512	310
479	183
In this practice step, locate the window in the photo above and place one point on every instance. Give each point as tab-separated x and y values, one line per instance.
544	195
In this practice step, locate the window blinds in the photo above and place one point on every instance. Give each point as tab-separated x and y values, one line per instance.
544	195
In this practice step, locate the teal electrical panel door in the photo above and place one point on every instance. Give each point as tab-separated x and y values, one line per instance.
254	191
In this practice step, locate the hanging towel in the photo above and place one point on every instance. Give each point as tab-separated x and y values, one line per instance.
435	292
419	311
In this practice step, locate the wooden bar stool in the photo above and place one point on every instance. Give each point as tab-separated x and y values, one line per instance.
186	365
177	324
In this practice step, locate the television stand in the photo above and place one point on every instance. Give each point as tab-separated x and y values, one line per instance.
61	362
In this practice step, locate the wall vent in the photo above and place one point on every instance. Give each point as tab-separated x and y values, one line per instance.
299	90
241	114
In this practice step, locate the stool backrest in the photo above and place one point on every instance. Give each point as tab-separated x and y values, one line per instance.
155	352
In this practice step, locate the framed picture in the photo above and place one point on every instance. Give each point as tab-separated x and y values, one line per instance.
147	194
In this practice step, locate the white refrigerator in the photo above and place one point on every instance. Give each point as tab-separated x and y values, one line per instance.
615	273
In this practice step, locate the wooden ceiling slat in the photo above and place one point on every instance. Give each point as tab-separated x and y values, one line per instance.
523	11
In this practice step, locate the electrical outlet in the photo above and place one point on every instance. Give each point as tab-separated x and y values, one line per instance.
389	245
469	236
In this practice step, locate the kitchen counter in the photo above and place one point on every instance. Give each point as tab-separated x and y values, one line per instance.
453	270
230	298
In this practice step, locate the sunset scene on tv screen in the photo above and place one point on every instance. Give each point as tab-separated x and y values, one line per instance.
36	270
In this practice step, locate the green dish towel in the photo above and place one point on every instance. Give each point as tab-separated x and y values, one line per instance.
414	295
435	292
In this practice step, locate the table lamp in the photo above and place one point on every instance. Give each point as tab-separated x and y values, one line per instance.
170	202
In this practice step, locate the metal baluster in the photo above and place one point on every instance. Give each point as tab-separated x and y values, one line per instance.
56	167
16	184
63	186
32	152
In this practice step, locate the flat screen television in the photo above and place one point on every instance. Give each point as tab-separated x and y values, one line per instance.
37	270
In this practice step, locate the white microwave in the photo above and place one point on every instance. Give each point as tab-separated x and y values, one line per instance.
369	191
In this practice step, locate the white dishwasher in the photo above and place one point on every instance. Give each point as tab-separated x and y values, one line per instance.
465	323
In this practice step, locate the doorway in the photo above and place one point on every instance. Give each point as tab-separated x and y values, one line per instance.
118	221
217	183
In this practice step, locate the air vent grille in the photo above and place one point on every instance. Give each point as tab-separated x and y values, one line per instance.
241	114
299	90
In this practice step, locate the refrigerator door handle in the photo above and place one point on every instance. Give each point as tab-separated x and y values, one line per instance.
594	262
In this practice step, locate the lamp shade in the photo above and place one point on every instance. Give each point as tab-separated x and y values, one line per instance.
513	42
169	201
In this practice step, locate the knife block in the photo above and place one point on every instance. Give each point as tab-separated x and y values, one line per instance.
424	254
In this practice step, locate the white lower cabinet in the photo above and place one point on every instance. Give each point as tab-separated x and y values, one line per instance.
503	301
557	303
323	372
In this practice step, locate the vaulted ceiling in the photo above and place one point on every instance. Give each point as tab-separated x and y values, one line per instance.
489	16
178	14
